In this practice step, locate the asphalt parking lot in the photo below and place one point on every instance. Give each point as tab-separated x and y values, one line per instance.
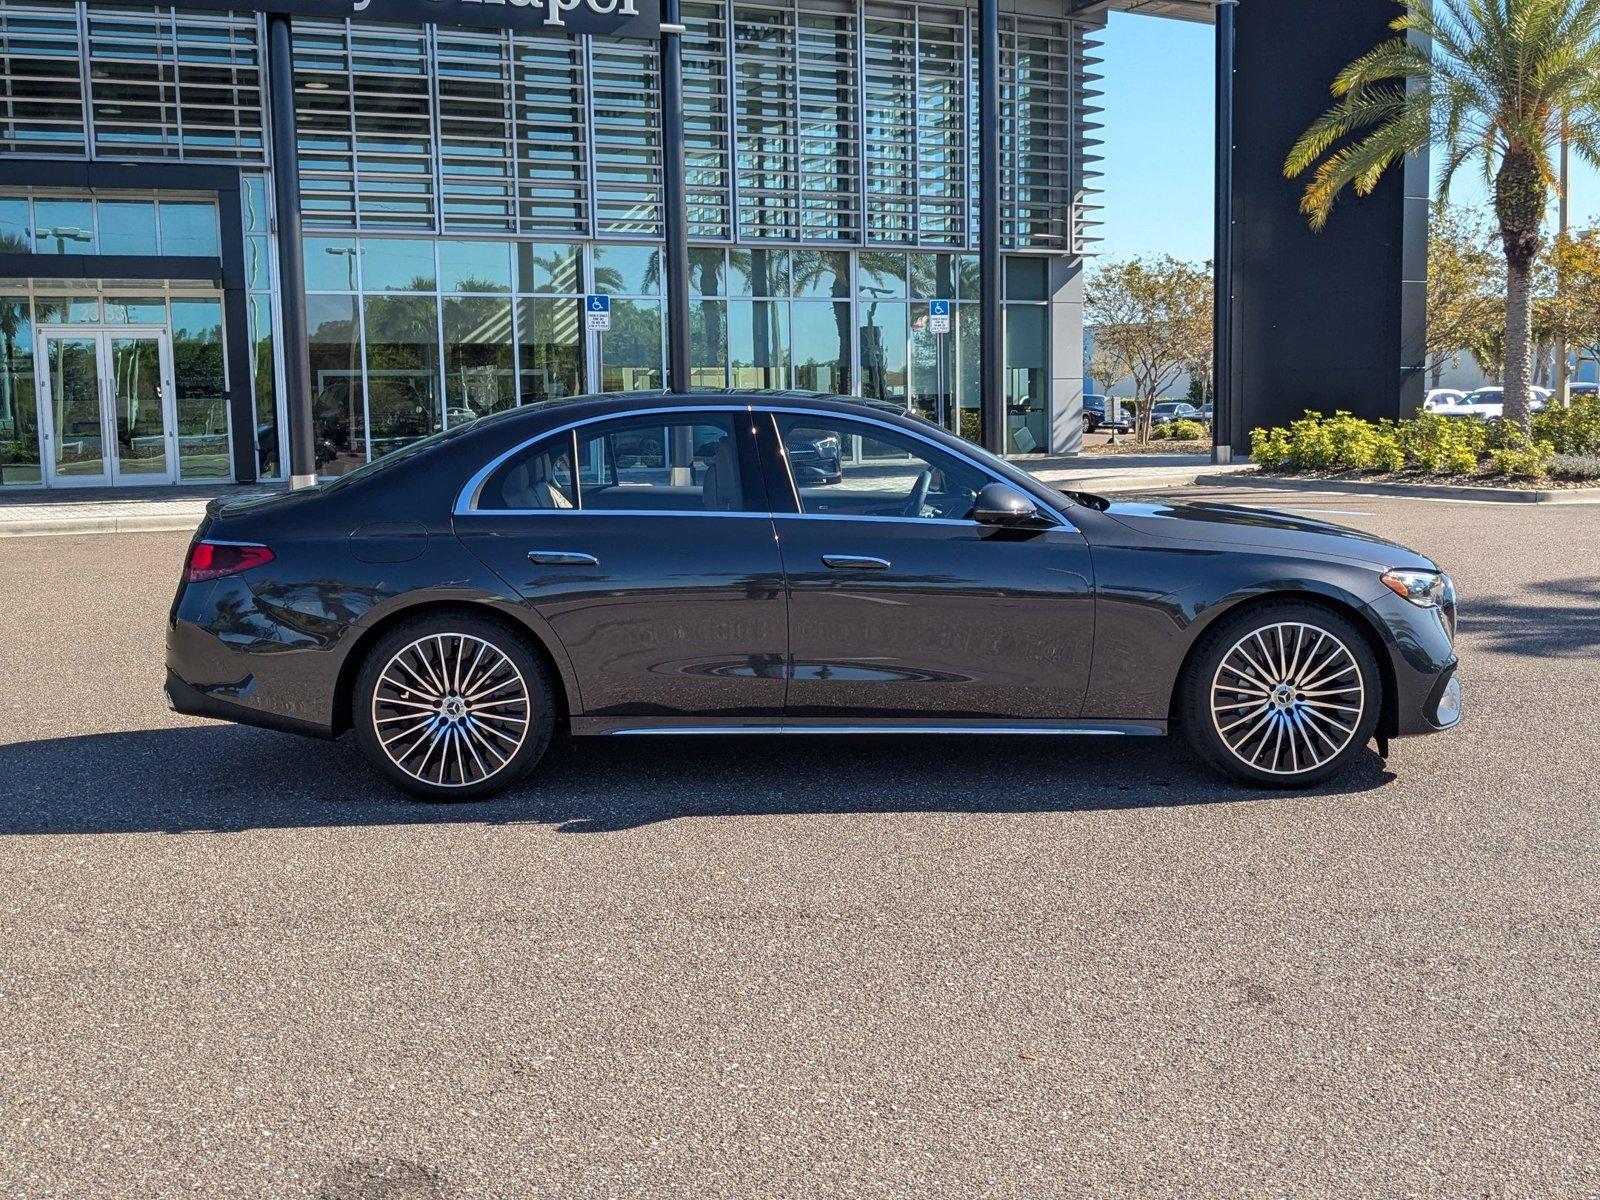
232	964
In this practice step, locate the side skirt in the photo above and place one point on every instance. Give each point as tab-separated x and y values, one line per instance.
679	727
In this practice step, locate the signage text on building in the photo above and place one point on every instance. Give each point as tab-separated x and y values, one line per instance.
603	18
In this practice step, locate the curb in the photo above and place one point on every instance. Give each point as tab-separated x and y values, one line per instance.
65	526
1416	491
1133	482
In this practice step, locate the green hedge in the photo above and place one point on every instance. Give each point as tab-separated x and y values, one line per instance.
1564	442
1181	431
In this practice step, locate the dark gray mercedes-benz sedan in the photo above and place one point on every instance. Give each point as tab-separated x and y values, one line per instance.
652	563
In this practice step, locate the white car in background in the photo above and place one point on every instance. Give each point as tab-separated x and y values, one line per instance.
1438	396
1487	404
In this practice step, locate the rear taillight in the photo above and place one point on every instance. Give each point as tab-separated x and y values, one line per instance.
213	560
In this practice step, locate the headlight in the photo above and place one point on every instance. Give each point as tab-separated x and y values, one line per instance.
1427	589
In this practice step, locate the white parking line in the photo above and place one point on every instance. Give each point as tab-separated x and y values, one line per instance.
1336	512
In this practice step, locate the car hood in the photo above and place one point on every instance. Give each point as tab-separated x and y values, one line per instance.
1265	530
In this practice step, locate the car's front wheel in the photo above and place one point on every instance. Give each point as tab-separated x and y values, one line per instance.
452	706
1283	695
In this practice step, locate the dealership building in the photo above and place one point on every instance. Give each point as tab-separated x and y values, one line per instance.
270	242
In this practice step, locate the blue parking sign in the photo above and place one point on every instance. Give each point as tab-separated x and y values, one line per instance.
938	316
597	312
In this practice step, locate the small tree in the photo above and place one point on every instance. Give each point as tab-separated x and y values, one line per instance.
1466	286
1152	321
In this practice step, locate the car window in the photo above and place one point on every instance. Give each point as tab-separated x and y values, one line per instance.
845	468
539	478
664	463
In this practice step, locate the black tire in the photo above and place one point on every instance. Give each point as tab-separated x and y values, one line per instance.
467	691
1282	695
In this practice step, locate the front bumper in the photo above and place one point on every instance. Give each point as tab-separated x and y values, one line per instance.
1423	667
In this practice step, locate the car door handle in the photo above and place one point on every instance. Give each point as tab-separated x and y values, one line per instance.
854	562
562	558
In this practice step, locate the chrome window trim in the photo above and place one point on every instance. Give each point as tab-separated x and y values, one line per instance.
466	504
982	468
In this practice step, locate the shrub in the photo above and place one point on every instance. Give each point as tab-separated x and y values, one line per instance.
1522	462
1181	431
1501	434
1581	468
1574	430
1269	448
1441	445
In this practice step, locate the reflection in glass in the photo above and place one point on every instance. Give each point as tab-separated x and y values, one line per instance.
1025	278
331	264
262	372
136	310
67	310
475	266
933	370
759	272
338	409
756	343
75	427
969	355
478	370
189	227
402	338
631	354
553	268
551	348
708	343
822	273
933	276
392	265
883	350
821	346
16	226
882	274
128	227
628	270
1026	383
257	264
200	383
253	192
141	426
63	227
19	412
708	275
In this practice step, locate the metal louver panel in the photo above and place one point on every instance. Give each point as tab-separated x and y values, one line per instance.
477	178
624	88
41	83
552	140
706	120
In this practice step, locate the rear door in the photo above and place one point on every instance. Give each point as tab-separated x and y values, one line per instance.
900	606
645	544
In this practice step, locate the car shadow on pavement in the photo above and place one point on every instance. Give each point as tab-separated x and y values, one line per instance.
1564	622
222	778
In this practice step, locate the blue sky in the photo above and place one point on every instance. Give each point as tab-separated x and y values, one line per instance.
1158	153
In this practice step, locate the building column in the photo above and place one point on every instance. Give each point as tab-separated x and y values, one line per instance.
291	255
991	314
1065	435
675	207
1223	420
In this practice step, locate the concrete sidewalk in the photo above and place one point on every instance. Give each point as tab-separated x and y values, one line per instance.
111	510
149	510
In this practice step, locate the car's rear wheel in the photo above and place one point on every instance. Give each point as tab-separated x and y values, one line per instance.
453	706
1283	695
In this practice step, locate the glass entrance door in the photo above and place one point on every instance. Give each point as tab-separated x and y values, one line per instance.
107	400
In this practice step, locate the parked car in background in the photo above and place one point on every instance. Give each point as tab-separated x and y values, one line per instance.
1438	396
1094	416
1583	389
644	564
1205	411
1487	404
1168	411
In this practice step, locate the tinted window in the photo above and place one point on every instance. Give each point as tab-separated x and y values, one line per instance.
665	463
844	468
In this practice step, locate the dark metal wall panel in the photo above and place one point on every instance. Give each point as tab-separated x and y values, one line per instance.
1329	320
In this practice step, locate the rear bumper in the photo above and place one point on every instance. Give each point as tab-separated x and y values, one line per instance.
184	697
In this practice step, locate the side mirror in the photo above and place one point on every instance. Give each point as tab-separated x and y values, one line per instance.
1002	505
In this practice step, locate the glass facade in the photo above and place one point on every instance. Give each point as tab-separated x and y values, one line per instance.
463	189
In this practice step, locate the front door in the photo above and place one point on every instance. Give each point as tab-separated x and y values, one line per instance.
106	406
900	607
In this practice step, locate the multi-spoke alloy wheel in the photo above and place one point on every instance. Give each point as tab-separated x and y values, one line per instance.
1282	696
453	708
1287	698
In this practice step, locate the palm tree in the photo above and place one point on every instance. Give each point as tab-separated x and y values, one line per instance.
1501	83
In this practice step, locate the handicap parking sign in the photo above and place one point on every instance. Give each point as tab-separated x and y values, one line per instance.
597	313
938	316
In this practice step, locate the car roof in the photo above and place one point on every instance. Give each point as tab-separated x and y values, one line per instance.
574	408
